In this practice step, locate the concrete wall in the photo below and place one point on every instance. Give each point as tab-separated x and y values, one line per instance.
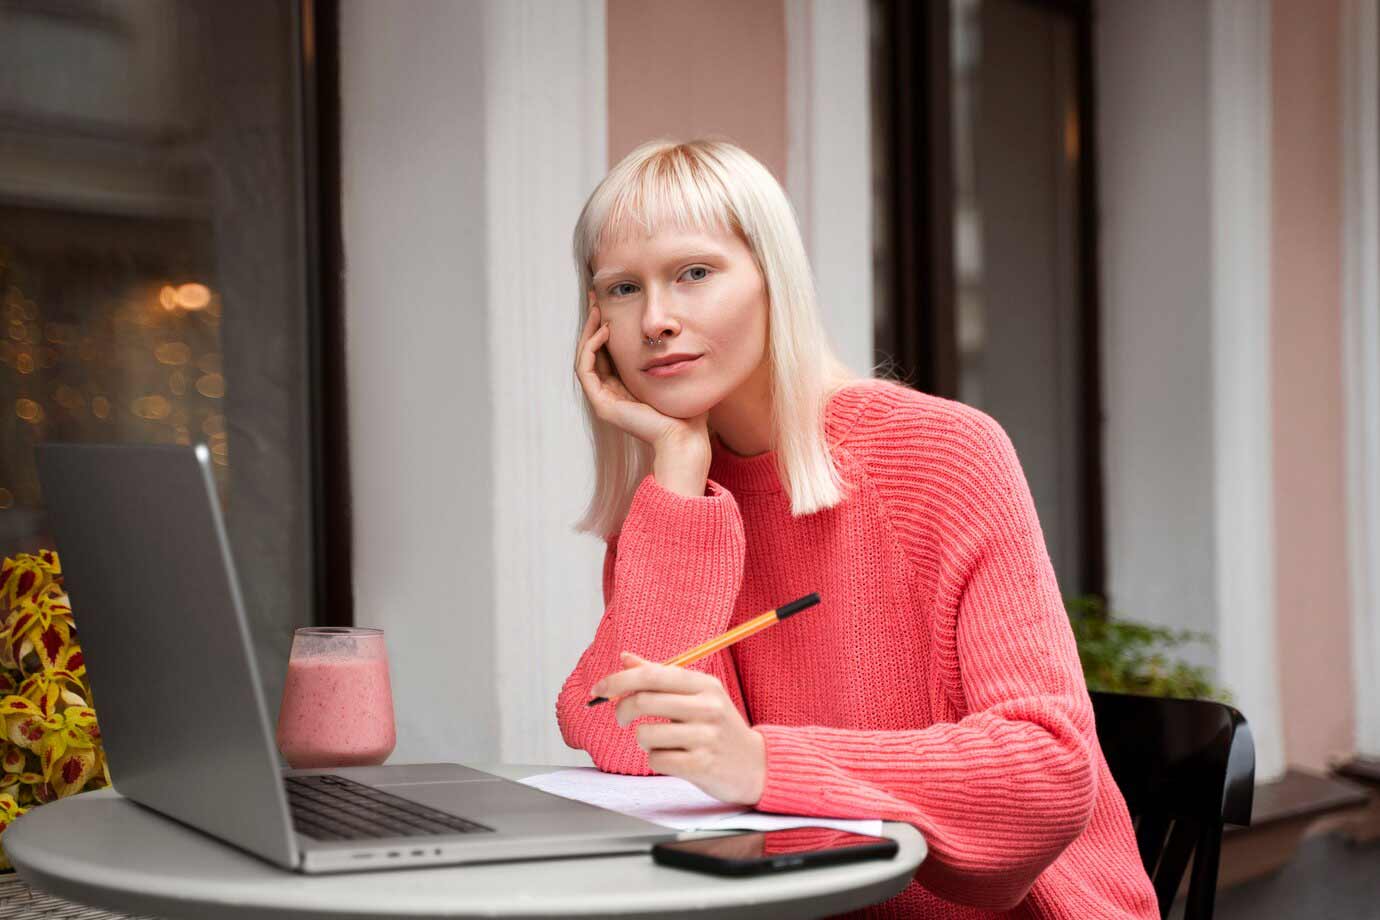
413	208
419	229
1162	203
458	358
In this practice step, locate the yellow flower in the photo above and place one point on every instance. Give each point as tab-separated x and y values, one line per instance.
25	723
40	622
50	743
25	576
9	810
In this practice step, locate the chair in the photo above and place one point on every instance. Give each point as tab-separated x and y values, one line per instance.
1186	769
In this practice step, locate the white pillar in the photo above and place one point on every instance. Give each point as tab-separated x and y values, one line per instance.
545	133
1243	437
1185	183
412	200
829	163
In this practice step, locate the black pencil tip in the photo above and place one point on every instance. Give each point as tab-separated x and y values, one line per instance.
797	605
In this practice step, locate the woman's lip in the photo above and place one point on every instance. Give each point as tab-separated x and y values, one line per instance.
668	370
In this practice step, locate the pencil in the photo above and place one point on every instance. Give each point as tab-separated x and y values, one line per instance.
736	634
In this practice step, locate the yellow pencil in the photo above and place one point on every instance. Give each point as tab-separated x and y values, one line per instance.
736	634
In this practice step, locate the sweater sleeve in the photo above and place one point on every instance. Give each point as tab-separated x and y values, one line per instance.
671	578
1001	792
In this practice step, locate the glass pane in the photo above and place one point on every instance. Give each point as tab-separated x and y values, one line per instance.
1016	247
112	334
152	265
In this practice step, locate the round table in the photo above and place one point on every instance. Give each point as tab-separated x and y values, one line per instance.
101	849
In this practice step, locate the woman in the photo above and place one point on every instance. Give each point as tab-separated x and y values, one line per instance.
937	681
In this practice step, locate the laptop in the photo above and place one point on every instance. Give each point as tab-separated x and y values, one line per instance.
183	718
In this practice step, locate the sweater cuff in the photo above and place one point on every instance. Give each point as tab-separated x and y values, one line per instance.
806	778
795	785
706	522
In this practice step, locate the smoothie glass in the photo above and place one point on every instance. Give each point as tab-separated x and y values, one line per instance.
337	702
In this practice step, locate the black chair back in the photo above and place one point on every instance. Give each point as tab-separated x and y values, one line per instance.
1186	769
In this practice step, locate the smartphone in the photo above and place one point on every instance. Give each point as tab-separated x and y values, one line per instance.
760	852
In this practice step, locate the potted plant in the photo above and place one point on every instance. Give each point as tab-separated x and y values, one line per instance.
52	745
1124	656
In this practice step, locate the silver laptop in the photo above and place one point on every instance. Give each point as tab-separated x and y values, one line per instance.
183	718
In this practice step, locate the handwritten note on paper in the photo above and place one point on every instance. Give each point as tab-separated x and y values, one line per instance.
675	803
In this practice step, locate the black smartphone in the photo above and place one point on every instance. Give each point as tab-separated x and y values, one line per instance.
759	852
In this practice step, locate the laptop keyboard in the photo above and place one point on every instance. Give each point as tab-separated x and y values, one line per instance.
329	807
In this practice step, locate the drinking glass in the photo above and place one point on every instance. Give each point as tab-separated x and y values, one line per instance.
337	706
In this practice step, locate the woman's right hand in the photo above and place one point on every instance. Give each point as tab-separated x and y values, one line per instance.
614	404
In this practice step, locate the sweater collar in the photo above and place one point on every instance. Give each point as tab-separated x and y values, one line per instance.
758	473
741	474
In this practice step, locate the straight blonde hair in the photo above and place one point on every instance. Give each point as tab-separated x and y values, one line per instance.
708	185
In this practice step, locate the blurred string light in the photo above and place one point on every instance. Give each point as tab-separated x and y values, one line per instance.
212	386
28	410
84	353
190	296
154	406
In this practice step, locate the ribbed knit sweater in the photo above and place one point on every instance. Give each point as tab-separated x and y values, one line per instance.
936	682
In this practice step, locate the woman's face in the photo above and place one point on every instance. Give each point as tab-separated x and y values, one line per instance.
700	294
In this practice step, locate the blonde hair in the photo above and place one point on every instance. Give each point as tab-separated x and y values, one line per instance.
705	185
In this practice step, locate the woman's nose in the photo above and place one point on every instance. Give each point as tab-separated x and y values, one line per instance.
656	320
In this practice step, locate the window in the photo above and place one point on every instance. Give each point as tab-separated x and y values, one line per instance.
989	291
159	269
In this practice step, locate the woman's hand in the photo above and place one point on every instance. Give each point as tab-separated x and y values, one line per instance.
614	404
707	740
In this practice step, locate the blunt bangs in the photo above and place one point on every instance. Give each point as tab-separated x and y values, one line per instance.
675	189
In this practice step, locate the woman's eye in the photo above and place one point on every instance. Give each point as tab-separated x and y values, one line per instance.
616	289
698	268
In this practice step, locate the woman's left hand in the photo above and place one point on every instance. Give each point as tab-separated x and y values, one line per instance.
707	740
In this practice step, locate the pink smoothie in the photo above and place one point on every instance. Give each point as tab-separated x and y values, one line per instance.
336	712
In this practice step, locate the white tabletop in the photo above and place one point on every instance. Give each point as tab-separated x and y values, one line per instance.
100	849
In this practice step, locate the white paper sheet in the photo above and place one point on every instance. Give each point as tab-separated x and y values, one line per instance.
675	803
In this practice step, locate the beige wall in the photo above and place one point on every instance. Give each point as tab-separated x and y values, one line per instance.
685	69
1310	514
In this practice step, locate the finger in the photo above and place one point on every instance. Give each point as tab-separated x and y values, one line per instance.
589	347
603	365
590	379
679	707
591	324
651	676
671	762
679	736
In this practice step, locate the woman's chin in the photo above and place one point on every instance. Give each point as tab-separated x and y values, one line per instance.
682	407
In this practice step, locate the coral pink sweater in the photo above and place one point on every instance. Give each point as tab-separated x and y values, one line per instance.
937	681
